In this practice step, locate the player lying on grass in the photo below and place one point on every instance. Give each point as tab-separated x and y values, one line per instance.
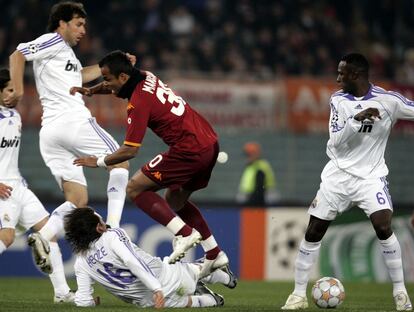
20	209
108	256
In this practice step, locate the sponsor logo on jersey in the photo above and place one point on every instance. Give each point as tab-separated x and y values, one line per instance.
6	217
130	106
4	143
358	106
71	67
157	175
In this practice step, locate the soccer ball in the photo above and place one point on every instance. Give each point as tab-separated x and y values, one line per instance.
328	292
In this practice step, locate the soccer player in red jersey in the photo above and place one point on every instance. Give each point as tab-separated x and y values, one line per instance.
183	169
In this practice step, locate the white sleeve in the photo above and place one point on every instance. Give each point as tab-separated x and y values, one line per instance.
84	294
123	248
42	47
341	127
405	107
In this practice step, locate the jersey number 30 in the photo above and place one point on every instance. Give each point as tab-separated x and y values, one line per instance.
166	94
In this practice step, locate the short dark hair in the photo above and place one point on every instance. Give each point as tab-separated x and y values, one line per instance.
358	61
64	11
80	228
4	78
117	62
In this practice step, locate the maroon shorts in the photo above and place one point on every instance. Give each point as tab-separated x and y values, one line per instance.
174	169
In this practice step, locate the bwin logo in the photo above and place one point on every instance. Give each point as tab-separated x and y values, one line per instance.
69	67
9	143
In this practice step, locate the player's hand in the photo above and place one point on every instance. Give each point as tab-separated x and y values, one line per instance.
89	161
81	90
369	113
5	191
12	99
159	300
132	58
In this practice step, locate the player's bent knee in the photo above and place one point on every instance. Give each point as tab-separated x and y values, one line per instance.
7	237
132	190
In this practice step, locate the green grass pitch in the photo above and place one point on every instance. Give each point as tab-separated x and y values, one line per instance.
35	294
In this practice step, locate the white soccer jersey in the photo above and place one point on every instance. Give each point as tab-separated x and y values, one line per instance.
56	69
10	133
358	147
124	270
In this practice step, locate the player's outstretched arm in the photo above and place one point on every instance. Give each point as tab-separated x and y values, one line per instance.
17	65
124	153
100	88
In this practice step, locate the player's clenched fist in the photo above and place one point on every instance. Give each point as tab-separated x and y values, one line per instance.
5	191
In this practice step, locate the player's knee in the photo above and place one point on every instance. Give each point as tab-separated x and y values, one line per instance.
383	231
7	238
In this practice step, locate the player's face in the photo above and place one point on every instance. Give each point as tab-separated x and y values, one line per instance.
113	83
74	30
346	77
6	92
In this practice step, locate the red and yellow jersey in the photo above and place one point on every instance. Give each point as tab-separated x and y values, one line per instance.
157	107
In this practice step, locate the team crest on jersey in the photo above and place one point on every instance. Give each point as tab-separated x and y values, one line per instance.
33	48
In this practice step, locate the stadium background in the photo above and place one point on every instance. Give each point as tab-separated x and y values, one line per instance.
258	70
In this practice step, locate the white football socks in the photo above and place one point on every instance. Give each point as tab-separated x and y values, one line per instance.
203	301
307	256
391	251
209	243
57	277
217	276
2	247
54	226
116	191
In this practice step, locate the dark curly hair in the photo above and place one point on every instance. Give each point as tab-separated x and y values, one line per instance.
64	11
4	78
80	228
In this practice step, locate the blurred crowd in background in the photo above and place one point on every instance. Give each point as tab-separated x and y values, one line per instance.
243	38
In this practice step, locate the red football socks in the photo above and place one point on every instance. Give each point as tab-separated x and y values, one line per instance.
192	216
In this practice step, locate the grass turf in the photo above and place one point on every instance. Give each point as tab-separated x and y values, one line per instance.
35	294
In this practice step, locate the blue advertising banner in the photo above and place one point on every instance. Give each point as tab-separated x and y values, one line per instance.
145	232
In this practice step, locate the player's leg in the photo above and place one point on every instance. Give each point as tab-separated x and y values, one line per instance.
214	257
142	191
116	192
321	211
92	139
57	277
375	200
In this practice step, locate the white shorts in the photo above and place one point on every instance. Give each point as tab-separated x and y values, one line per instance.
183	284
62	142
339	191
22	209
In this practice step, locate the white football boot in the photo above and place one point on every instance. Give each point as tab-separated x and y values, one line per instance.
40	251
295	302
68	298
182	243
209	266
402	302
